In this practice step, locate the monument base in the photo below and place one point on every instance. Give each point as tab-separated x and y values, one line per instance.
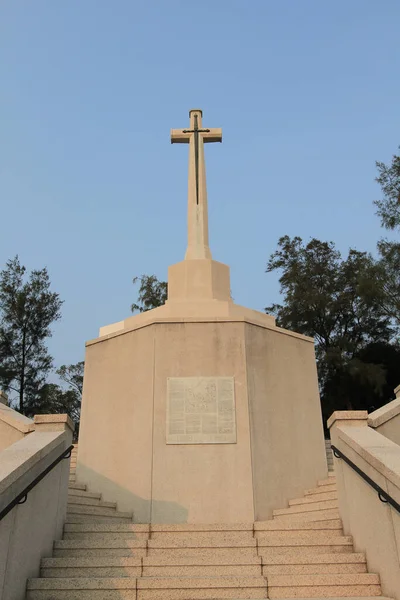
267	452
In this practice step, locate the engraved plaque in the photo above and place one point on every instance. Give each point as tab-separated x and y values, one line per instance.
201	410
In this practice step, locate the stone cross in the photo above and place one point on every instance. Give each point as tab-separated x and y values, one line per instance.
196	137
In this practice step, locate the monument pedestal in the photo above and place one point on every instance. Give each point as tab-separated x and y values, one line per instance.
124	450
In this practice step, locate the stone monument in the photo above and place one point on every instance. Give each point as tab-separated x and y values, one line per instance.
200	411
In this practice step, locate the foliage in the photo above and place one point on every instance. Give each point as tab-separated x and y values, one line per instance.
389	205
152	293
28	308
73	376
324	297
52	399
387	280
384	286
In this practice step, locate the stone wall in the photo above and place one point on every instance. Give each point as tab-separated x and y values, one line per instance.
28	531
374	525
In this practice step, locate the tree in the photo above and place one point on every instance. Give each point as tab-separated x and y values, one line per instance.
389	206
324	298
72	375
28	308
52	399
385	285
387	280
152	293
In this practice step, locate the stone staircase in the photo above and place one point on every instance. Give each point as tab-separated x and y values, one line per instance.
329	455
300	553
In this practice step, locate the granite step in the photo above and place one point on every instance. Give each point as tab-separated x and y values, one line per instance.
314	498
194	542
94	530
235	570
316	515
191	588
202	539
89	501
147	588
300	553
101	511
100	566
268	547
323	585
91	566
323	489
289	525
302	538
301	508
76	486
82	493
79	519
331	479
202	559
215	555
200	527
102	546
314	569
311	561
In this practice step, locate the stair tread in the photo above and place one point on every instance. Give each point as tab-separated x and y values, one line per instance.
82	583
324	579
95	510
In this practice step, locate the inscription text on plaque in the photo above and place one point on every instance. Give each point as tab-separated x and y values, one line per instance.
201	410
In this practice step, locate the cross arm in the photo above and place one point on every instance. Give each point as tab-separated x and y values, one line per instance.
178	137
212	135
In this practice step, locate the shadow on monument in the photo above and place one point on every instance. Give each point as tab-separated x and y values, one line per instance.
144	511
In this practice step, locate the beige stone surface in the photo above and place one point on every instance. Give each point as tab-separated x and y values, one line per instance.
192	311
201	279
28	531
284	403
59	422
386	420
198	244
13	426
179	484
353	418
397	391
372	523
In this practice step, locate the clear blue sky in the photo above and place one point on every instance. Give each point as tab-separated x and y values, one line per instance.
307	93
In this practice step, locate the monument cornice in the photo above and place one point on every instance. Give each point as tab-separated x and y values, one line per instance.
204	320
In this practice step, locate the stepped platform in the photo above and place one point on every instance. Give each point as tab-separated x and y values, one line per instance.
300	553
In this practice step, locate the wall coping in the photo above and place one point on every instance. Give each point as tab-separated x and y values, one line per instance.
347	415
378	451
20	457
384	414
56	418
397	391
15	419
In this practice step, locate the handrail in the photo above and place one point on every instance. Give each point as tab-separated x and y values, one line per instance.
23	496
382	495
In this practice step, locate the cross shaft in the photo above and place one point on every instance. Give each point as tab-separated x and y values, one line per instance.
196	137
